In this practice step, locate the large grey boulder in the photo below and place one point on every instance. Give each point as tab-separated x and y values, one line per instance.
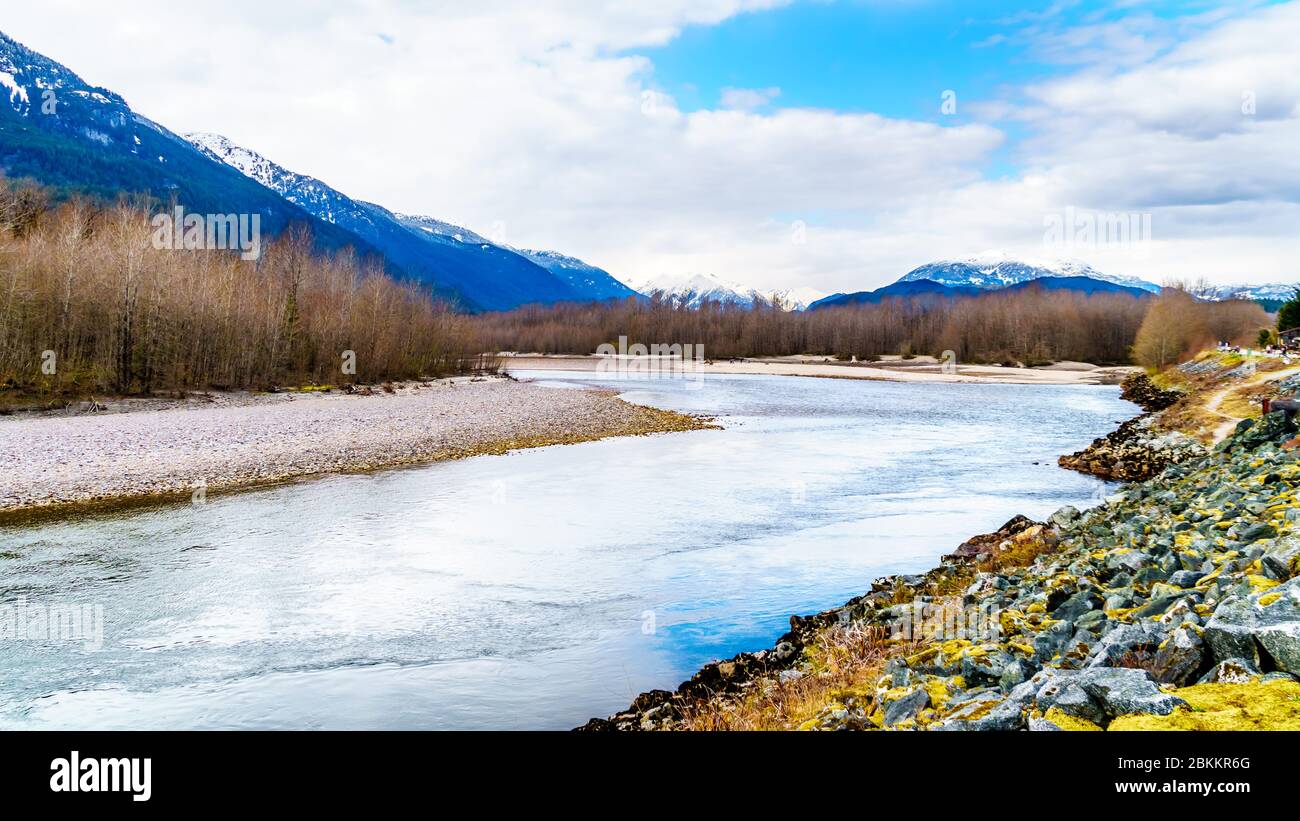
1263	628
1279	558
1230	671
1186	578
1124	691
1181	657
984	714
907	707
1070	698
1063	518
1139	639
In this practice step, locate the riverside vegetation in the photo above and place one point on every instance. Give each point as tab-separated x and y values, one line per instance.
89	306
1031	326
1173	605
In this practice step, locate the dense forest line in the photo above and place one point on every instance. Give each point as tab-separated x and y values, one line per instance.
88	303
1026	326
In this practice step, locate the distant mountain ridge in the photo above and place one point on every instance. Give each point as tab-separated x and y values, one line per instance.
78	138
999	270
1275	291
965	278
913	288
594	283
693	290
489	276
74	137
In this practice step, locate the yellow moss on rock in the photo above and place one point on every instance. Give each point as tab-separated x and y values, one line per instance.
1069	722
1259	705
1259	583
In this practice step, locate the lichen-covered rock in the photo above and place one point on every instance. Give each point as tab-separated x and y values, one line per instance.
987	714
1251	433
1064	518
1123	691
1127	642
1272	705
1263	628
905	706
986	543
1134	452
1138	388
1180	658
1072	700
1057	721
1281	560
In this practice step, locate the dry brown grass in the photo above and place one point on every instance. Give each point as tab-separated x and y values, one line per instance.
1237	398
1018	552
844	660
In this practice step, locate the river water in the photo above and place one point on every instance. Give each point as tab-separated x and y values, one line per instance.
534	589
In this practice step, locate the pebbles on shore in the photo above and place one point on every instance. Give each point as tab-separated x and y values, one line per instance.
57	461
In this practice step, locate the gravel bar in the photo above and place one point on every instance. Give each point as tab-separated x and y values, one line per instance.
76	460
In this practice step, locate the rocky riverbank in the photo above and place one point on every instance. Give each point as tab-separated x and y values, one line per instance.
58	462
1139	448
1174	605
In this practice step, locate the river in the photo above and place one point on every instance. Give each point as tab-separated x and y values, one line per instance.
535	589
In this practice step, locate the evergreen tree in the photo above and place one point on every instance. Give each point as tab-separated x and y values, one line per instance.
1288	316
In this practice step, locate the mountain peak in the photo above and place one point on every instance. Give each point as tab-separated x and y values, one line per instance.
247	162
695	289
998	269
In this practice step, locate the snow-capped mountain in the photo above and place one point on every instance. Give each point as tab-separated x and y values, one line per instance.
1273	291
66	133
301	190
486	275
445	230
596	283
999	270
798	299
35	86
694	290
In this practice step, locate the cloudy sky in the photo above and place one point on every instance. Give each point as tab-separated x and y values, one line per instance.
831	145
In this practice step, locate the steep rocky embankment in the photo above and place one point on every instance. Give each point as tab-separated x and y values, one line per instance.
1174	605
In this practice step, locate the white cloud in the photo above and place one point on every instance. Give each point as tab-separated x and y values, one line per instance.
533	115
748	99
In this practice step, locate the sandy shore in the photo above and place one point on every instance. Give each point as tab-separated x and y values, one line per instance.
57	461
889	369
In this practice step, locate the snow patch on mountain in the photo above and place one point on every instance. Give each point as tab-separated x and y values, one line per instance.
446	230
581	276
694	290
249	163
16	91
997	269
1274	290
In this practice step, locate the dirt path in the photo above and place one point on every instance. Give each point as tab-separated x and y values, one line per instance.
1212	405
